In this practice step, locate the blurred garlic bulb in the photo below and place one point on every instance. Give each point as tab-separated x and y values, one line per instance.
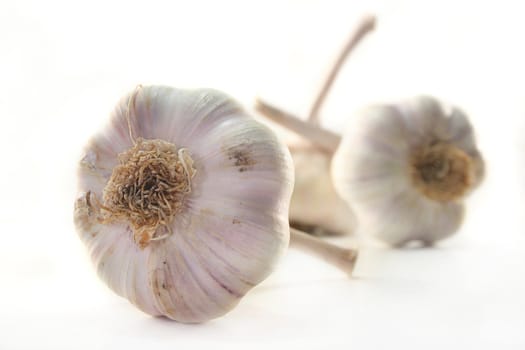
406	169
184	203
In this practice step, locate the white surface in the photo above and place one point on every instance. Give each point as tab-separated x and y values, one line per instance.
63	66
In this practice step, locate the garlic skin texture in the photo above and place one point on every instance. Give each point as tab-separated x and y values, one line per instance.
315	204
406	169
231	223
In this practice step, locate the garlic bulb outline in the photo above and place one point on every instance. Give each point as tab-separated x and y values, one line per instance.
184	203
407	167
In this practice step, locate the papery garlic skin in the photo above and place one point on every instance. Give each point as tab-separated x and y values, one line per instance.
373	169
315	204
233	225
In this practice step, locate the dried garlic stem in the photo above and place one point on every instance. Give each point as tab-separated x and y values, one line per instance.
342	258
327	140
366	25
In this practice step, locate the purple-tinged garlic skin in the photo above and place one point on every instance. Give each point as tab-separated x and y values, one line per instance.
233	225
406	169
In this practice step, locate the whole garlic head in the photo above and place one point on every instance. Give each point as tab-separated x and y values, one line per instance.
183	202
406	169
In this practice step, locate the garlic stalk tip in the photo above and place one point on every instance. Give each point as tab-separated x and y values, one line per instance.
366	25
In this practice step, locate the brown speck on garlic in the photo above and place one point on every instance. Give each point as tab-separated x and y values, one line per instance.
241	159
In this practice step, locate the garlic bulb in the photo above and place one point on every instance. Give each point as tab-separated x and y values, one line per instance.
406	169
184	202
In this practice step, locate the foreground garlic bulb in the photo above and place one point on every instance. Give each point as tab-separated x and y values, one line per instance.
184	202
406	169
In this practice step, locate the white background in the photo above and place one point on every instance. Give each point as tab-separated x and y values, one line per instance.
63	66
